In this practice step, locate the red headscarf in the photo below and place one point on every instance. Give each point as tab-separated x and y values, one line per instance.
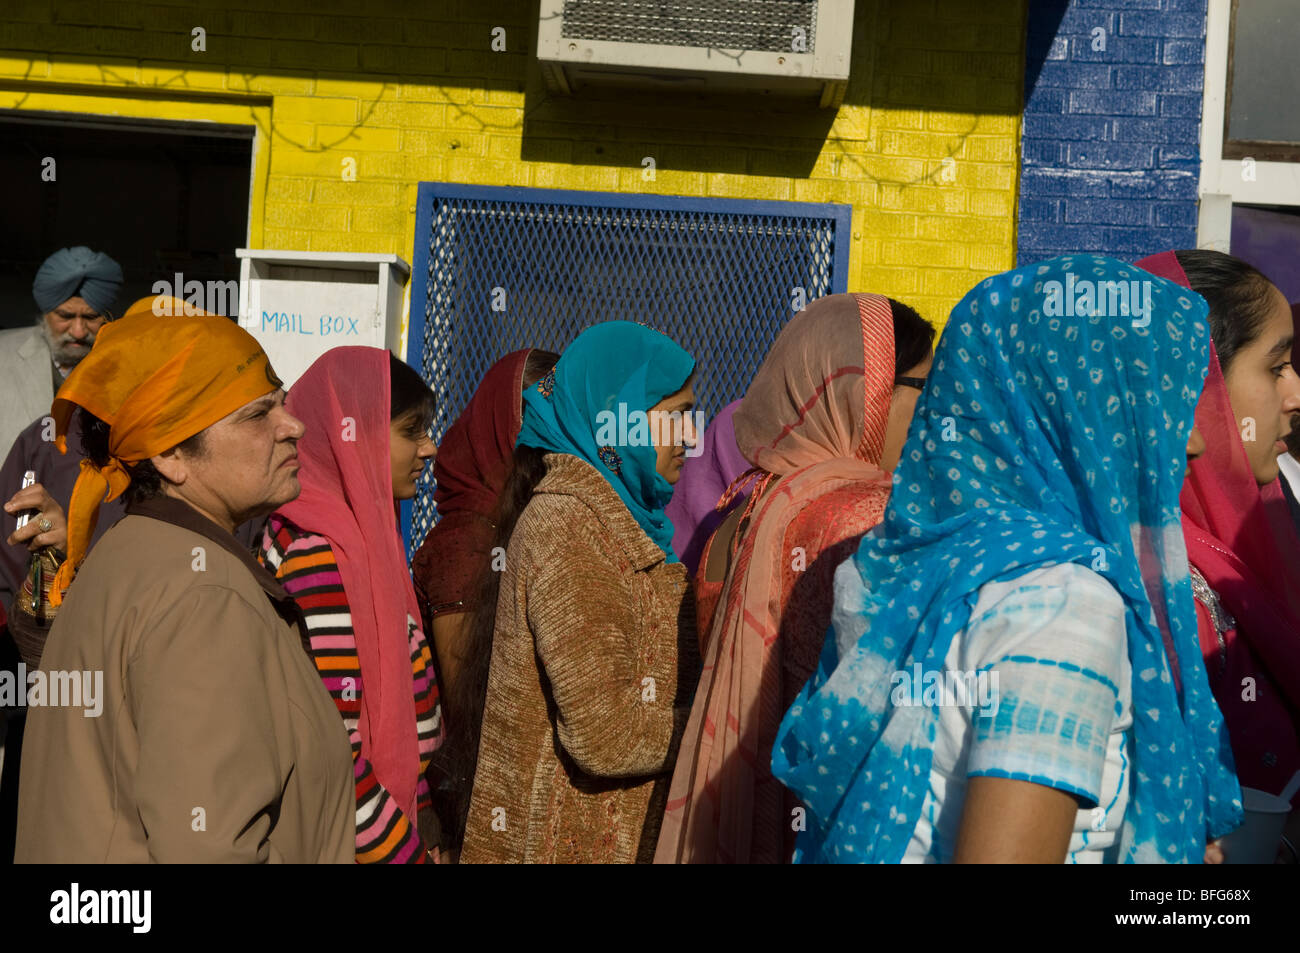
1241	539
347	497
473	462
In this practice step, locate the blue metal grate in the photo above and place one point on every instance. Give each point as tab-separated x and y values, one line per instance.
717	275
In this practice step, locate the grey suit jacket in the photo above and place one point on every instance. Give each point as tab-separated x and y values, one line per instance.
26	383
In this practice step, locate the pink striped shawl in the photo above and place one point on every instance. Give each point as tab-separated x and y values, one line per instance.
815	419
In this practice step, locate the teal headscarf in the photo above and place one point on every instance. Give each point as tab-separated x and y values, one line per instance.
611	364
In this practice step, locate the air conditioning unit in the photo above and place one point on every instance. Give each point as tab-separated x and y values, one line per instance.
778	46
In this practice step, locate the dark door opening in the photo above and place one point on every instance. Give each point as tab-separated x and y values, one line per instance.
160	197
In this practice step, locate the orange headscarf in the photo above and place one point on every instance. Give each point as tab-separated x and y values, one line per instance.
157	376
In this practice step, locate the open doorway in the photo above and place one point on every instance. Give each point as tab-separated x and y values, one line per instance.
160	197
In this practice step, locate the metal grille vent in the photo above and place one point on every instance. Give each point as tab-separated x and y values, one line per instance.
765	25
714	274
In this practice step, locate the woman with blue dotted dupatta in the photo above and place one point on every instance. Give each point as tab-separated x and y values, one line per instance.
1012	672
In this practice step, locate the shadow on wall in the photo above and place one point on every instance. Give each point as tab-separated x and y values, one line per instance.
389	41
932	55
1044	22
947	56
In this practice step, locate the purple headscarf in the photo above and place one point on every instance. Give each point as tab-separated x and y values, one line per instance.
703	481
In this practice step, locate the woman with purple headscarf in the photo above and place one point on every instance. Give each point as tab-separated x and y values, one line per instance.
696	508
705	477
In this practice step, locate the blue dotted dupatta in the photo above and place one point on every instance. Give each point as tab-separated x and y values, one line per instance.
1042	437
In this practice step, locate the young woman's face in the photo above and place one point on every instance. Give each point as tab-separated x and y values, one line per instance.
409	445
1195	447
673	434
1264	390
901	408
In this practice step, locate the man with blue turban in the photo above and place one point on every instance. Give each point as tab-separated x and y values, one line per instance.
75	290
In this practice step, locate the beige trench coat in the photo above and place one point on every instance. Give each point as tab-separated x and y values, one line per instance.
216	743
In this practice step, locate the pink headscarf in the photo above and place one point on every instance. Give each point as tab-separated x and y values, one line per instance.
815	419
347	497
1240	537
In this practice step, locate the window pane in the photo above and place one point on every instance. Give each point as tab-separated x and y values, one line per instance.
1265	72
1269	238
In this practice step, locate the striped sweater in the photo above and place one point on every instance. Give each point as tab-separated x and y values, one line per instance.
304	564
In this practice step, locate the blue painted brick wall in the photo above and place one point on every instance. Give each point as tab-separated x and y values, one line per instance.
1111	140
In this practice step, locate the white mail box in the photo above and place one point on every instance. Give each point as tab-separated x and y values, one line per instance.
299	304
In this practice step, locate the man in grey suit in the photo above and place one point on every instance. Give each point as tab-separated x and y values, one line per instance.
75	290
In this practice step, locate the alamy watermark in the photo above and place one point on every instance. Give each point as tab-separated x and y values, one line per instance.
945	689
214	297
626	427
132	908
54	689
1084	297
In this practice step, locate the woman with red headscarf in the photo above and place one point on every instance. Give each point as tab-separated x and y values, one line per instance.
823	424
337	551
454	578
1241	544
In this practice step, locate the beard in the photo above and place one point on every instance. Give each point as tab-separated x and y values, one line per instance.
63	347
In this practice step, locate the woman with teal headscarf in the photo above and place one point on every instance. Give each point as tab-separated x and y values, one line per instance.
1013	671
593	654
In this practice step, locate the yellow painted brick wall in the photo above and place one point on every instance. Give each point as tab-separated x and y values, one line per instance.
925	148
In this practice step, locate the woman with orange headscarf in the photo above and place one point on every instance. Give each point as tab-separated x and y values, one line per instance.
214	741
823	423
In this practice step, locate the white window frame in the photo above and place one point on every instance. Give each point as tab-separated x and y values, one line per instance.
1222	184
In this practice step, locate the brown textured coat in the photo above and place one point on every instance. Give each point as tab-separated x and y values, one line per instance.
594	663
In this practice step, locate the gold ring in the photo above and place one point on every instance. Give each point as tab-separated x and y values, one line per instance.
44	524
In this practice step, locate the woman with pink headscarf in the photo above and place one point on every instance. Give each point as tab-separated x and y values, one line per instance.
823	424
336	549
1241	543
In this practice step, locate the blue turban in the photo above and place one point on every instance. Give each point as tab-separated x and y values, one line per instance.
77	272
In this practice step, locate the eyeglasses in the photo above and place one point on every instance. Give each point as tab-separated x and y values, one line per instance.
917	382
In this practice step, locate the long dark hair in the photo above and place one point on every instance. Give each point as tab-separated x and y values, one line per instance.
467	702
913	337
408	393
1238	295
